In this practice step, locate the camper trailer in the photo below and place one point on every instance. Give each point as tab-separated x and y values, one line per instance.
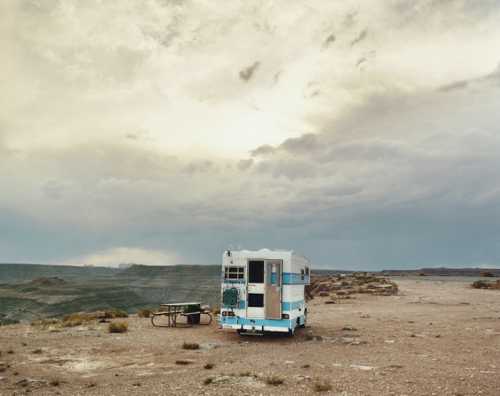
263	291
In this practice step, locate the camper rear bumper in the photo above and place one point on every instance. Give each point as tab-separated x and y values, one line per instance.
256	328
237	323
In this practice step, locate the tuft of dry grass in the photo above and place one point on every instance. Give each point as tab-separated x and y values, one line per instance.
209	366
55	382
322	386
47	322
118	327
37	351
144	313
274	380
190	345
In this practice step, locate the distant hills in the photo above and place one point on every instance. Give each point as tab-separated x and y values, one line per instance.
25	272
442	271
29	291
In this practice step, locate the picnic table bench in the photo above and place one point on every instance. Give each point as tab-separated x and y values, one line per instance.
185	309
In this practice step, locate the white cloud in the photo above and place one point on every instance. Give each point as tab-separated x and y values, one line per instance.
113	257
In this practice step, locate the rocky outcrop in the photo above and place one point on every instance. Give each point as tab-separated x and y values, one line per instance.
343	286
481	284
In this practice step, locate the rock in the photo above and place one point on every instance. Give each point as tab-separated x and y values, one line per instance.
480	284
349	328
25	382
362	367
184	361
344	285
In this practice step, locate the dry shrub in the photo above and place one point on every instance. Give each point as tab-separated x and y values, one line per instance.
274	380
208	381
209	366
216	311
118	327
322	386
44	323
190	345
115	313
77	319
144	313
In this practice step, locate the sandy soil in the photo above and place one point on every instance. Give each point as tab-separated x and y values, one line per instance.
434	338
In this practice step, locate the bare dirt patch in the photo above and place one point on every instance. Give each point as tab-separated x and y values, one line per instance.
433	337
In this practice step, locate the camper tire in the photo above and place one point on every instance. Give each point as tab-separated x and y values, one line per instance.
241	331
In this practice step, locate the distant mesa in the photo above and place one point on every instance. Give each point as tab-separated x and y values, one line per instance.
126	265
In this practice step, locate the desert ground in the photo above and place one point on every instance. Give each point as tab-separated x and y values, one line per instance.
434	338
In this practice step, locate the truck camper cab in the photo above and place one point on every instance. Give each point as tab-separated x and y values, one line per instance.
263	291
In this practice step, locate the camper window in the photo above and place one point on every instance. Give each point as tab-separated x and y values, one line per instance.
234	273
255	300
256	272
302	274
307	271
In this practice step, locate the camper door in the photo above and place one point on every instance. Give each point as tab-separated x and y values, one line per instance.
264	289
273	289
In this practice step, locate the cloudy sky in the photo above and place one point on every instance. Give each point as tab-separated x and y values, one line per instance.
363	134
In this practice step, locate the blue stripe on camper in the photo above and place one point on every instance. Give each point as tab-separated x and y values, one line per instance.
255	322
285	306
291	278
289	306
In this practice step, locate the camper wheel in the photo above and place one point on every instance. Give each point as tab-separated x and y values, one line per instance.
241	331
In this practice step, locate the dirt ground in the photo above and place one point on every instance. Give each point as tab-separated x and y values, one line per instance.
434	338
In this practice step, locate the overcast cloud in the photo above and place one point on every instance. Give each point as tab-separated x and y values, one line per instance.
364	134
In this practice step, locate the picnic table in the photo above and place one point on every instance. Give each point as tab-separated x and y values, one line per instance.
192	311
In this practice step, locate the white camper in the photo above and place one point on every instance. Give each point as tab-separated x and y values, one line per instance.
263	291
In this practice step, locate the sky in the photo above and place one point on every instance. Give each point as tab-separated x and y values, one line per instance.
361	134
